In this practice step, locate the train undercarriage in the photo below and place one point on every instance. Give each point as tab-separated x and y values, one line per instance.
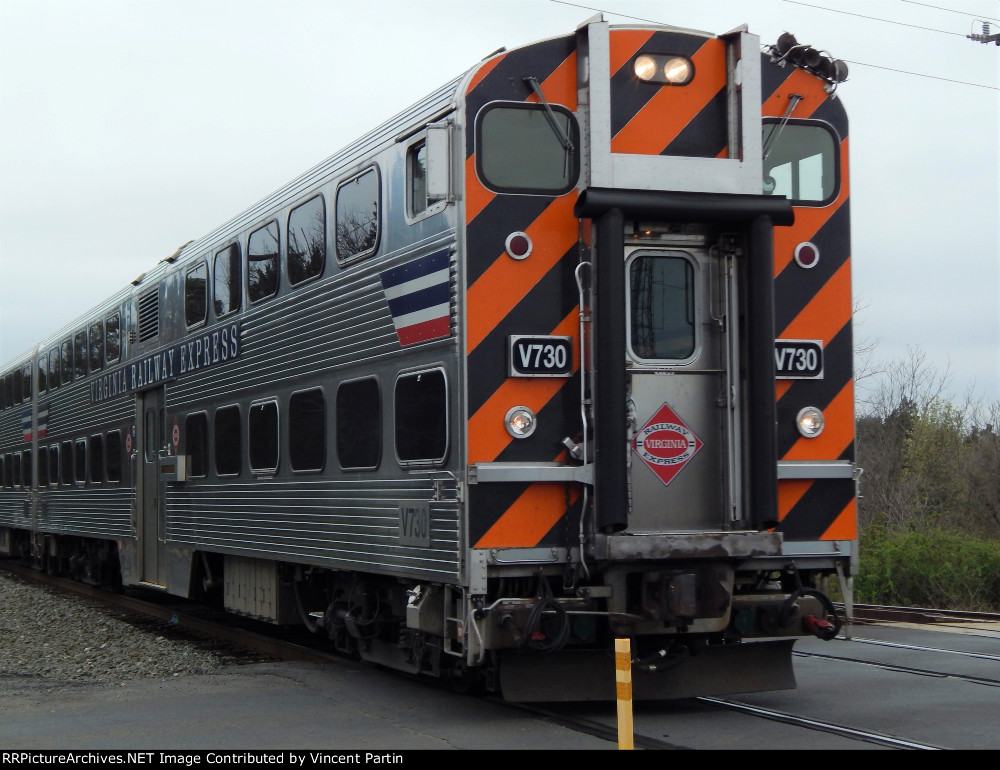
696	627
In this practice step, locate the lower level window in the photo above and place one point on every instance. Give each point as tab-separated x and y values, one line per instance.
263	436
421	409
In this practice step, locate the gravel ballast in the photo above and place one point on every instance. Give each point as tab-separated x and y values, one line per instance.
55	639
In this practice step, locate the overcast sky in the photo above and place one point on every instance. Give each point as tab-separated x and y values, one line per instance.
129	127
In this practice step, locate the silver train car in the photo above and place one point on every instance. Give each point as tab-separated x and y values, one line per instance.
559	355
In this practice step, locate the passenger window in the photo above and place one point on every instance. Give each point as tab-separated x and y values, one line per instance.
359	424
80	461
306	240
26	381
113	338
307	430
95	448
53	368
66	362
18	388
527	148
800	161
26	469
96	338
43	467
357	223
416	178
8	471
420	406
114	456
262	262
263	436
228	277
66	463
196	430
228	441
196	295
43	374
54	465
81	352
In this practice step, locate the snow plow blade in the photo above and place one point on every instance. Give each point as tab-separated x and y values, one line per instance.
590	675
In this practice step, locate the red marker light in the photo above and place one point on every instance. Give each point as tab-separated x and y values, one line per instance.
807	255
518	245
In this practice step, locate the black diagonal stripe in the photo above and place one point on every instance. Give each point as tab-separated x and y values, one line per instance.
538	312
796	287
628	94
832	111
487	233
487	503
772	77
506	81
818	509
837	371
705	135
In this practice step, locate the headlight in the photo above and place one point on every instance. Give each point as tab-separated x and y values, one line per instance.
810	422
668	70
520	422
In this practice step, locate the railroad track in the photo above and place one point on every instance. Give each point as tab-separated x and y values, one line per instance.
262	641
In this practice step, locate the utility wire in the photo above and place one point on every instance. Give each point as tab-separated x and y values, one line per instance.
921	75
873	18
951	10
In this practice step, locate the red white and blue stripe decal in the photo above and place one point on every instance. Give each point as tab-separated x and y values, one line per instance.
419	297
43	422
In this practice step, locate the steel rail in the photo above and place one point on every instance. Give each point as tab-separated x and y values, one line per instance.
866	736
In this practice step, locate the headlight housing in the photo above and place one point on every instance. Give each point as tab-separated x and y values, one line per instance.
520	422
810	422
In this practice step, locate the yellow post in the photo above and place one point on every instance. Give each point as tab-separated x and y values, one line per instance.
623	682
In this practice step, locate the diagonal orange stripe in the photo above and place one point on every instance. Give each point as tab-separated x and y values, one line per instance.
800	82
826	313
477	197
483	71
790	491
487	435
672	107
845	526
623	45
507	281
533	514
560	87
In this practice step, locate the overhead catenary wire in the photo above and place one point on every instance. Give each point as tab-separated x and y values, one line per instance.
950	10
873	18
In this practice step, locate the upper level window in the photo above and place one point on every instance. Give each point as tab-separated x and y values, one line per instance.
306	240
661	307
113	337
43	374
228	277
96	338
53	368
527	148
800	161
26	379
66	362
196	295
262	262
357	222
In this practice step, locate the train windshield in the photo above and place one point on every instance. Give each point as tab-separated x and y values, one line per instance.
800	161
519	148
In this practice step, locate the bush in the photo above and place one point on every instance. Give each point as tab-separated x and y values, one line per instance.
928	567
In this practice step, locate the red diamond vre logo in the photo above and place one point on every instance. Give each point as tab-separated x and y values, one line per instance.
666	444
